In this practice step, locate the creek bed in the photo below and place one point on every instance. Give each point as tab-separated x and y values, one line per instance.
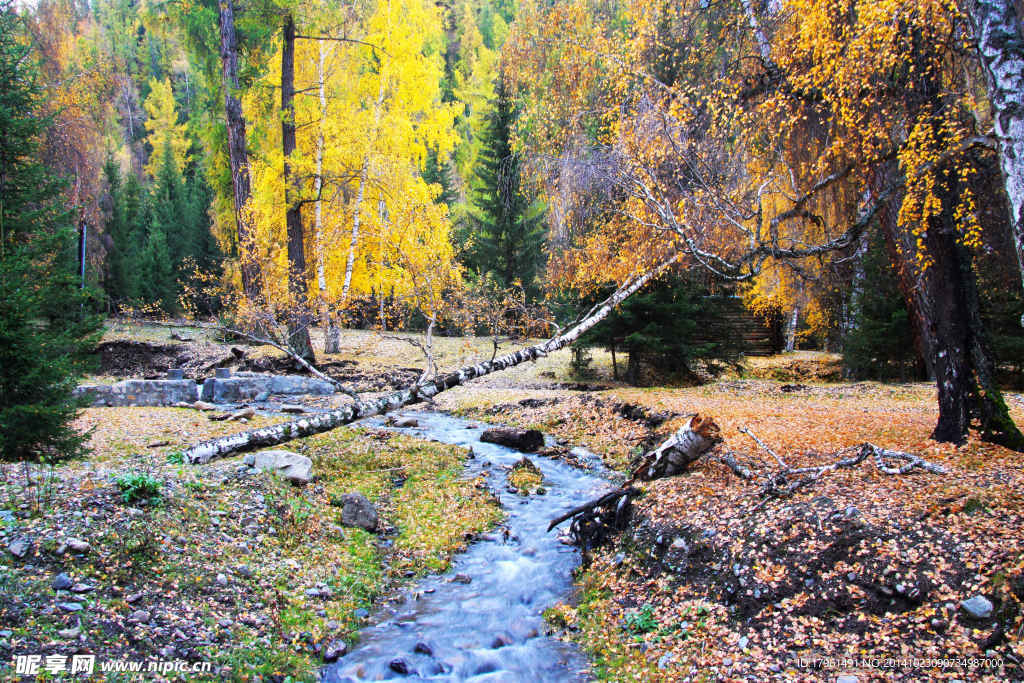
481	621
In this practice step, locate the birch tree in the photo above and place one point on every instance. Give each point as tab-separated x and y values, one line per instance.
998	27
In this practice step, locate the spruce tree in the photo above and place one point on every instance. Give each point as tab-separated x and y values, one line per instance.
118	232
505	227
881	345
665	328
136	216
170	238
206	257
125	229
46	330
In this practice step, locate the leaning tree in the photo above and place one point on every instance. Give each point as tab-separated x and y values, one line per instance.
783	144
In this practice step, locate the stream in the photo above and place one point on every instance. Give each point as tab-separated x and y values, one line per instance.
489	628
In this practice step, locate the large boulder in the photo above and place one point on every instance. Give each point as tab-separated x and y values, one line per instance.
358	511
528	440
292	466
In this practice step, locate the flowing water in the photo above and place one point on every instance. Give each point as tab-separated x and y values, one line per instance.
489	628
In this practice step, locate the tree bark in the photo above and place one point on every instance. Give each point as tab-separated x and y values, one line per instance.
943	301
680	450
332	336
791	327
276	434
237	150
998	29
299	317
353	240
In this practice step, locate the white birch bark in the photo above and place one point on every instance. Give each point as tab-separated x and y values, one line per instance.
331	333
363	170
998	28
794	319
680	450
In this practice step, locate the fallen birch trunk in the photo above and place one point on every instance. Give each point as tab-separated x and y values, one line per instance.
598	520
314	424
680	450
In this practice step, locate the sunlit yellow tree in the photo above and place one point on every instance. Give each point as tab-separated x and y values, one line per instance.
164	133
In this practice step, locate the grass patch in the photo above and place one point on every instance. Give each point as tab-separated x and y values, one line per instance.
526	477
255	573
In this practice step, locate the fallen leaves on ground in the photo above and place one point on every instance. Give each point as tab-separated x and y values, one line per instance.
227	565
860	565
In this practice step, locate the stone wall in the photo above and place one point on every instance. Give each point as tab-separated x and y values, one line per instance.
141	392
255	387
168	392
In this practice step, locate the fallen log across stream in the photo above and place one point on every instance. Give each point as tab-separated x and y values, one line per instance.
315	424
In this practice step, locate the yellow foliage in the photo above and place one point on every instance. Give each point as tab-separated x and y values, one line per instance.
382	116
741	146
165	134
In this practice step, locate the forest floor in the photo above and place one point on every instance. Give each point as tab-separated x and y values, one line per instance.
711	581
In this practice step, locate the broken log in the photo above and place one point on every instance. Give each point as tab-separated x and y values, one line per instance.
600	519
314	424
527	440
679	451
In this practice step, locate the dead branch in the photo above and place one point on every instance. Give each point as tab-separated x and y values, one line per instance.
789	480
609	497
595	522
782	463
729	460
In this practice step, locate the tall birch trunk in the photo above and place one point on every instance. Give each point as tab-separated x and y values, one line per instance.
353	241
1000	35
237	150
315	424
791	327
332	336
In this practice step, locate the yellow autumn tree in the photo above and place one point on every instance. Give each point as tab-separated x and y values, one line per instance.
370	113
747	134
164	133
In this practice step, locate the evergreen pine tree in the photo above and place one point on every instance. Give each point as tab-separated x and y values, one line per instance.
881	344
438	172
118	232
46	331
136	217
505	231
158	283
170	238
205	262
664	327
